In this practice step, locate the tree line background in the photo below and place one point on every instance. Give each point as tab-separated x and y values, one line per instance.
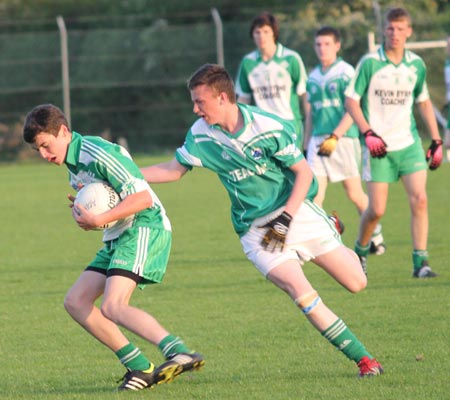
130	59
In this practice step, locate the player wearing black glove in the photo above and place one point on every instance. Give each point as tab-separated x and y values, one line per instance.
276	233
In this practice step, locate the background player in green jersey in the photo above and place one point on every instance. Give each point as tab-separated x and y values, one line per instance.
380	98
273	76
270	186
135	252
331	138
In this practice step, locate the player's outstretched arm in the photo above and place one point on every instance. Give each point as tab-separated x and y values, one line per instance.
169	171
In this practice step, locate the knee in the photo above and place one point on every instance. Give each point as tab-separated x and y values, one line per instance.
110	310
358	198
375	213
358	283
359	278
73	303
419	202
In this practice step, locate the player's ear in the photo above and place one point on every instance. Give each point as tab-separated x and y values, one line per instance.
222	98
64	130
409	34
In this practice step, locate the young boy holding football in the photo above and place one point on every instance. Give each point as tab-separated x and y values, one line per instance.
135	251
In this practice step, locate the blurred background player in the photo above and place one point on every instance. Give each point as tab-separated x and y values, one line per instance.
270	185
331	138
135	250
380	98
273	76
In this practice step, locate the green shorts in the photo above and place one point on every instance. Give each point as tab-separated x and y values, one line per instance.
396	164
140	253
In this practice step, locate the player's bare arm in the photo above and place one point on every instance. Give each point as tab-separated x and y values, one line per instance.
278	227
308	125
169	171
428	117
344	125
303	179
354	109
132	204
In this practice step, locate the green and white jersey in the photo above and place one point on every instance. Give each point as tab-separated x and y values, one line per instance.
252	164
387	93
325	92
275	84
93	159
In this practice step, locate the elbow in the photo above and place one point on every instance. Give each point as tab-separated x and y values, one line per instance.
348	104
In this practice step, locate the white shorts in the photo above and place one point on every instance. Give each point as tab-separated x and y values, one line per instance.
343	163
310	235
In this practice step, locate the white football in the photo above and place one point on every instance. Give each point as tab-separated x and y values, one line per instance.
98	197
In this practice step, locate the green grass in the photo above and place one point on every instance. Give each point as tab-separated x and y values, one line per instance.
257	344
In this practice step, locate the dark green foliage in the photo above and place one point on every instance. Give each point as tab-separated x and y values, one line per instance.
130	60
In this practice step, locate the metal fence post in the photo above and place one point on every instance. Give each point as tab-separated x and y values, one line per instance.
65	68
219	36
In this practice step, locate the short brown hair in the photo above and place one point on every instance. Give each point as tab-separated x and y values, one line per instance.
265	18
216	77
43	118
397	14
329	31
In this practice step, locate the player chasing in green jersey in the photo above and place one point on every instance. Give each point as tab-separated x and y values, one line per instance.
331	138
135	252
380	98
273	76
271	188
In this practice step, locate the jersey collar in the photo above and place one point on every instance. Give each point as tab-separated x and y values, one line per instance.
73	151
278	53
247	115
383	56
324	71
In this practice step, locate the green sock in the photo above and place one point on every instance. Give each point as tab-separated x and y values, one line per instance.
171	345
361	250
132	358
418	257
344	340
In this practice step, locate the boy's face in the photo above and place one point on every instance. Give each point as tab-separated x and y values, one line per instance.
53	148
207	104
396	34
263	36
326	49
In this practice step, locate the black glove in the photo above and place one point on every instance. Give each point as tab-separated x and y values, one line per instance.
276	233
434	153
375	144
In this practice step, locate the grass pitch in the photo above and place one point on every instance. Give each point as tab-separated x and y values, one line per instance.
257	344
